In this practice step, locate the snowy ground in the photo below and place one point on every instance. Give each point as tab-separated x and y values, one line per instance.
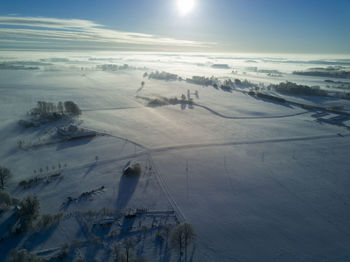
259	180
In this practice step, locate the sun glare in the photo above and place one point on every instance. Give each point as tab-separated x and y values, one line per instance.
185	6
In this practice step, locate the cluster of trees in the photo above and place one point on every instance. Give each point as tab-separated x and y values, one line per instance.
226	85
28	211
53	167
295	89
204	81
35	180
163	76
112	67
170	101
51	110
331	71
181	237
244	83
124	252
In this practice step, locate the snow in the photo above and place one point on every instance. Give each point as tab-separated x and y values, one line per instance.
259	180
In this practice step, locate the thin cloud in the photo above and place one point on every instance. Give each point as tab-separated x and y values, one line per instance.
76	30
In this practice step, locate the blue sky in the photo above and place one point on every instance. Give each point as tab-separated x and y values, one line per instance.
258	26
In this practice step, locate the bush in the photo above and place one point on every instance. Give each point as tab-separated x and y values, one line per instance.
22	256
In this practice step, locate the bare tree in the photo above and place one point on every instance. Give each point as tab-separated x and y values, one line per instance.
29	210
128	244
118	254
60	108
182	236
5	174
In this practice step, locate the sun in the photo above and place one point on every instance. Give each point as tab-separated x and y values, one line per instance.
185	6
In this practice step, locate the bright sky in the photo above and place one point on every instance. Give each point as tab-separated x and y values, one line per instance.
257	26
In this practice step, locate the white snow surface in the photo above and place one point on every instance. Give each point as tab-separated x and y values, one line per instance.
259	180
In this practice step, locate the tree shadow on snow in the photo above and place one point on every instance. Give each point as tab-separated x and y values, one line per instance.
127	187
91	167
39	237
272	101
74	143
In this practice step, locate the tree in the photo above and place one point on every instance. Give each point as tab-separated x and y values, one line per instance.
182	236
118	254
60	108
128	244
5	174
28	211
72	108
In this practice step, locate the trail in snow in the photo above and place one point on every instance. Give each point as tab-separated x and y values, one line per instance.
247	117
110	108
233	143
229	177
166	190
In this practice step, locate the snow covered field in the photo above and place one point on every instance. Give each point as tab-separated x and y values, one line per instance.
259	180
